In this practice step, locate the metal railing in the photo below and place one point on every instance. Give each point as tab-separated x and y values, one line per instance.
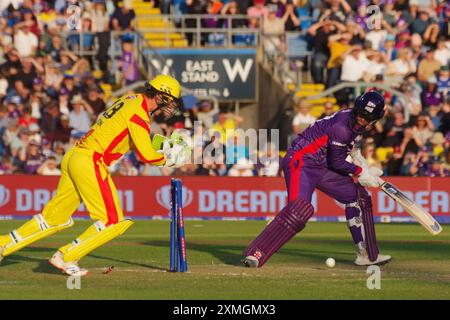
279	61
145	54
286	65
359	88
220	33
86	43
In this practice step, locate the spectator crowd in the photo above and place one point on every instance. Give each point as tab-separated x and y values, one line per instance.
50	94
403	45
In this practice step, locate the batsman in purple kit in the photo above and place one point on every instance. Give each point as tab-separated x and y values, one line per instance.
317	159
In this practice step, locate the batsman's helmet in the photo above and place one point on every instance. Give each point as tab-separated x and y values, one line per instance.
166	91
369	106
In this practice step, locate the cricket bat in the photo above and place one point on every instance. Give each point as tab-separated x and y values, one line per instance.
419	213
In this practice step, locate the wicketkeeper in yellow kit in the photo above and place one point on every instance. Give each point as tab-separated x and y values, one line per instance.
85	176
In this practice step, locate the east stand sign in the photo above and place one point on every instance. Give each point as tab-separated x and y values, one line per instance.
228	75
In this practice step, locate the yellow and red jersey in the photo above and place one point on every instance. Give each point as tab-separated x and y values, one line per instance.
123	126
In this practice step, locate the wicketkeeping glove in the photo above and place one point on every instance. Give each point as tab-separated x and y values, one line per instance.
176	151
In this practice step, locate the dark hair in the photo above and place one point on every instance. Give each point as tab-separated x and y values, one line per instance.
53	105
150	91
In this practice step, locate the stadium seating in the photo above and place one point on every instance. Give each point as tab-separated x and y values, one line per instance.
145	24
310	89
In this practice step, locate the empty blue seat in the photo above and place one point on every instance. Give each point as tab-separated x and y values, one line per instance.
297	46
244	39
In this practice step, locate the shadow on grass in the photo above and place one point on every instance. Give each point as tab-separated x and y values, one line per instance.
341	249
232	255
15	259
45	267
149	266
221	252
418	248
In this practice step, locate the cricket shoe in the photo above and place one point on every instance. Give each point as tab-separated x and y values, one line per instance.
250	262
363	260
69	268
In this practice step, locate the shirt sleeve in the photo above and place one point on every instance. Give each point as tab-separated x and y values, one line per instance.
338	143
139	130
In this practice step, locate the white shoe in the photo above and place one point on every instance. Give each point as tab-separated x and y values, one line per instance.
363	260
1	253
69	268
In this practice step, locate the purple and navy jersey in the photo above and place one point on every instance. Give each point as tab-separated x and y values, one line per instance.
328	142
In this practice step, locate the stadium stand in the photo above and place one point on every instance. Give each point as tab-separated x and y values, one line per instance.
61	60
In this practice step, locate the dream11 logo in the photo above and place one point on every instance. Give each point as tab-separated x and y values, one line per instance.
4	195
163	196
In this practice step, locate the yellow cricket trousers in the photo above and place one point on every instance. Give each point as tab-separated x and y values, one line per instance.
84	177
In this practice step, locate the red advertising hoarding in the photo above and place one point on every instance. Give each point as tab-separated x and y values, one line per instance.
220	197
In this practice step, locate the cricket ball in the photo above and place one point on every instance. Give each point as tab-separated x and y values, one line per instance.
330	263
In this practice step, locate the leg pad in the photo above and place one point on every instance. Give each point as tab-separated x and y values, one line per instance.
365	203
291	220
81	248
18	242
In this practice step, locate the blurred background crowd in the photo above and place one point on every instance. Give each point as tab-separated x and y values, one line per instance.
50	96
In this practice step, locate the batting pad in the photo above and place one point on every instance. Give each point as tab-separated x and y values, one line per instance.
42	230
80	249
365	203
291	220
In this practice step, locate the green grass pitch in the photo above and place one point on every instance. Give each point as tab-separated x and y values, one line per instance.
420	268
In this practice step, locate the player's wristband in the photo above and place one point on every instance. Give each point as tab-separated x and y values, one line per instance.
358	171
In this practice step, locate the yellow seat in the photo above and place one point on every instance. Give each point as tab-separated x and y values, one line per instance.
159	43
179	43
146	8
163	36
322	100
312	87
291	86
138	4
304	93
153	23
382	153
316	111
144	11
157	37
